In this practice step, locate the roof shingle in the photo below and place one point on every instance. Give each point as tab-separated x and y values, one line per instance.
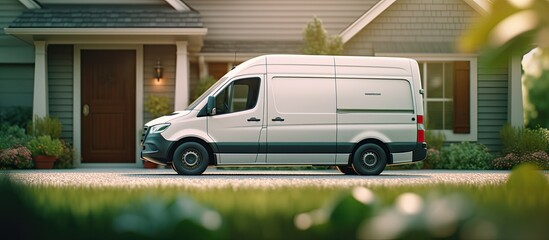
97	16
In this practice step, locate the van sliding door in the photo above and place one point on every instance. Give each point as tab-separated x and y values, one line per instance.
301	120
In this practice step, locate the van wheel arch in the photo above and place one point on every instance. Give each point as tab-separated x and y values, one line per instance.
373	141
213	159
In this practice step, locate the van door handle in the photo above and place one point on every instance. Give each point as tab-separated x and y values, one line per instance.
253	119
278	119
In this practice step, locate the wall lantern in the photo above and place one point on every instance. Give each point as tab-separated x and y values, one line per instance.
158	71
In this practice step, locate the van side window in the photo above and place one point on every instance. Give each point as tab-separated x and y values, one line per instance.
240	95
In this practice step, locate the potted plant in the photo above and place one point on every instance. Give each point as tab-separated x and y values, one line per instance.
45	151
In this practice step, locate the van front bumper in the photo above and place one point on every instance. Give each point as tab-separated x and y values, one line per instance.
155	148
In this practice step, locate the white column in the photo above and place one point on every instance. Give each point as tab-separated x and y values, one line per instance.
181	77
515	108
40	96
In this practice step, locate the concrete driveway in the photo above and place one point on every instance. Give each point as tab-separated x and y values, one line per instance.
215	178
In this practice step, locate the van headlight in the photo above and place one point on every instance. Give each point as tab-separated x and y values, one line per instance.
159	128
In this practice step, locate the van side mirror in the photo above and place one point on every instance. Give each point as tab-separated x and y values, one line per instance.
210	108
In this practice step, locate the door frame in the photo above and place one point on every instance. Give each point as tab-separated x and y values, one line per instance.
77	101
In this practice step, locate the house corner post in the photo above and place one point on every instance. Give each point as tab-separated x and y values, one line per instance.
181	76
40	93
515	107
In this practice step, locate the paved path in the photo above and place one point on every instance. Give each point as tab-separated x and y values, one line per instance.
214	178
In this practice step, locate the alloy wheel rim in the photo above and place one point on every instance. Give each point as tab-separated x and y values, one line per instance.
369	159
191	158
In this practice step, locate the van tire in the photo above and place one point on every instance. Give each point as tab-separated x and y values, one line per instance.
369	159
346	169
190	158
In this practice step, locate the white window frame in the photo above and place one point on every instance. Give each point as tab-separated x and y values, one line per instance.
472	136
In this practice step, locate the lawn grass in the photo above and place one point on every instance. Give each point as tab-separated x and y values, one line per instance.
518	208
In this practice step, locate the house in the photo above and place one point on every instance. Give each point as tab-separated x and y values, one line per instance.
93	62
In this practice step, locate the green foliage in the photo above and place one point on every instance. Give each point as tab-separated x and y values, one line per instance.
46	126
454	213
435	139
491	33
12	136
538	87
45	146
522	141
202	85
17	157
157	105
66	158
16	116
513	210
466	155
514	27
433	160
163	219
317	42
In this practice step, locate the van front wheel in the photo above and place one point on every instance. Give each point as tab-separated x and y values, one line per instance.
369	159
190	158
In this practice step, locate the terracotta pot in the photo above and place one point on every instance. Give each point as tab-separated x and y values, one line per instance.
147	164
44	162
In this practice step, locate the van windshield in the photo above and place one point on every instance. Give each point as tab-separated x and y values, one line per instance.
205	94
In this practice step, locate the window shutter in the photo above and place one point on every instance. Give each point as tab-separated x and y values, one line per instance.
461	97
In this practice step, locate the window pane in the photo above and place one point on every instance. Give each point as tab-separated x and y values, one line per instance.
240	97
448	115
222	101
434	80
434	115
449	80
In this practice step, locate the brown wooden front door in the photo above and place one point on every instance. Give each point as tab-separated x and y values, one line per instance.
108	106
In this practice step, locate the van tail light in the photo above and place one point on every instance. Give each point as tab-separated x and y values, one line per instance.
420	129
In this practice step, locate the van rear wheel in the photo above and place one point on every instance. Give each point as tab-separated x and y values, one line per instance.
190	158
369	159
347	170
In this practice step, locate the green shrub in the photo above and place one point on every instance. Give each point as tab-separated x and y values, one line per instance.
18	157
511	160
45	146
12	136
433	159
66	158
523	140
157	105
16	116
202	85
435	139
465	155
45	126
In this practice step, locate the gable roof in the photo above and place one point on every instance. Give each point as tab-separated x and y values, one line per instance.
481	6
30	4
178	5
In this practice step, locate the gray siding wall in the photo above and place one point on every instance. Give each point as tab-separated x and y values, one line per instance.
16	61
13	50
17	81
492	103
414	26
166	87
282	20
60	86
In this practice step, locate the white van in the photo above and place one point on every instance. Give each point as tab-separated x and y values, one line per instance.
356	113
